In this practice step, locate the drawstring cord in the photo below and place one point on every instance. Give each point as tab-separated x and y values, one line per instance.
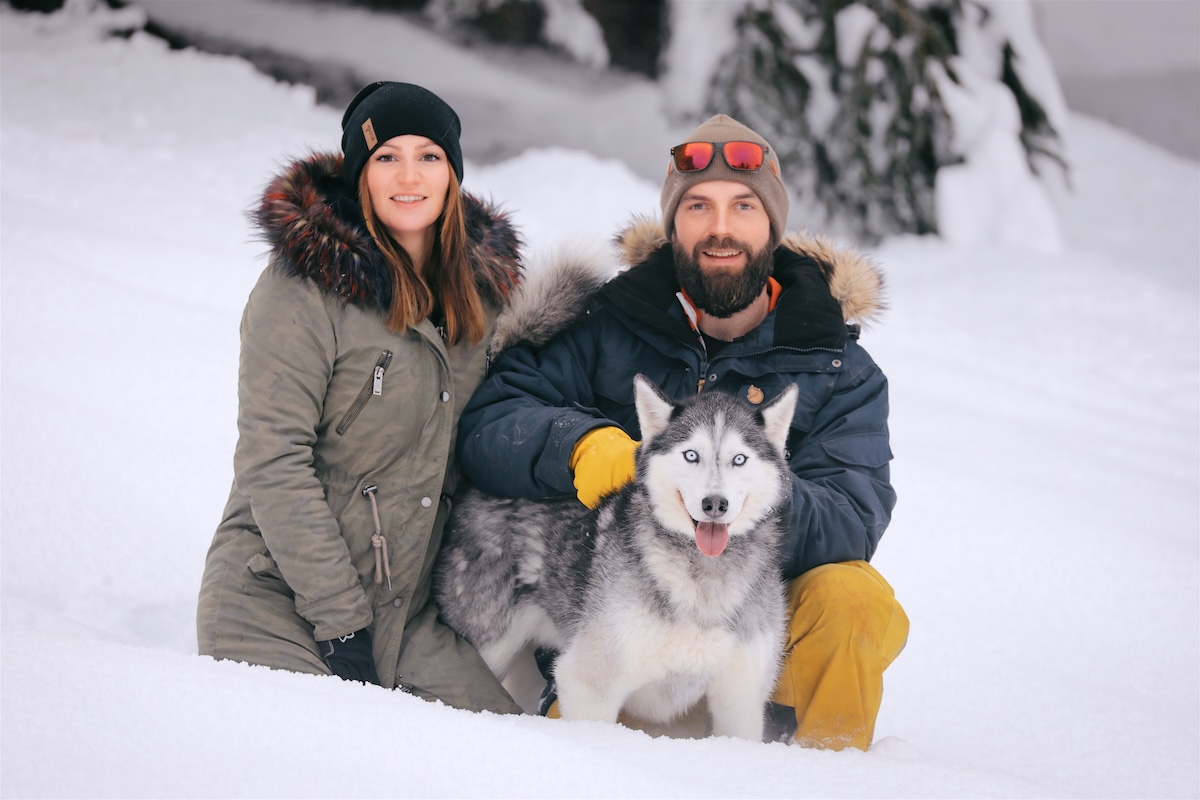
383	564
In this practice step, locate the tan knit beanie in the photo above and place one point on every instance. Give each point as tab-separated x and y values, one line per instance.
765	181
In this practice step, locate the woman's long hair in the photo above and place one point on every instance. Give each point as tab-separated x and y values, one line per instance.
449	271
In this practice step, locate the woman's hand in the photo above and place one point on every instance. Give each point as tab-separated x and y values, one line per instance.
350	657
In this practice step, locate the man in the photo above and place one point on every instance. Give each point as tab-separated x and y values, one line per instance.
718	299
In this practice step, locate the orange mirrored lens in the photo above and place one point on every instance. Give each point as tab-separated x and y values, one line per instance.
743	155
693	156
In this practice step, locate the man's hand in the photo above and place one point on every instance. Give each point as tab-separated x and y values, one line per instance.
603	462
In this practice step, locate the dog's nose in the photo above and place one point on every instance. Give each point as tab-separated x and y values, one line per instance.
714	505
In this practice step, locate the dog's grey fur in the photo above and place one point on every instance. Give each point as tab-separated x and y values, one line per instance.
644	620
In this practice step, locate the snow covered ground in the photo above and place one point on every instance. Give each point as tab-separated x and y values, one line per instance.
1046	423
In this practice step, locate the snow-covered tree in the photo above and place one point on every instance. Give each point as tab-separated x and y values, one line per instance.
562	24
1007	112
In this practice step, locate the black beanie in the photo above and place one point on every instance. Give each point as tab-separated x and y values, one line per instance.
385	109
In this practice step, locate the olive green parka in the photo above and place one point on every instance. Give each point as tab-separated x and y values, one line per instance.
344	464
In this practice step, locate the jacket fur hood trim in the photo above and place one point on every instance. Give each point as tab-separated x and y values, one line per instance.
854	281
559	285
314	227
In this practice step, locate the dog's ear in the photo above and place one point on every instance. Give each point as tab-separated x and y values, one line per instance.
653	407
777	416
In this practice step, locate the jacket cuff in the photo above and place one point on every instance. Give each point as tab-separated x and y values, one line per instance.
343	613
553	468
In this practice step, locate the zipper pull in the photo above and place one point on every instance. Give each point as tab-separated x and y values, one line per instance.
377	384
700	385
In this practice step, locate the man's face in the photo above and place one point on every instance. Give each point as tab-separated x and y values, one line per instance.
721	242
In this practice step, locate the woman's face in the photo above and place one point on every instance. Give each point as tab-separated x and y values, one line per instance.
407	178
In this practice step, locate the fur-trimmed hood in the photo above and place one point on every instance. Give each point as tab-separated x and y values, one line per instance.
315	230
855	282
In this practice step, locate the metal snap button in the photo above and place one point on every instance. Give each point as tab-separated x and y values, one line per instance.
426	502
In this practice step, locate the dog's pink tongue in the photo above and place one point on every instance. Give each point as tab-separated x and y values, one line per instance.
711	537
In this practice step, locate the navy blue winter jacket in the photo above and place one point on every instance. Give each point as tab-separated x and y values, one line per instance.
518	431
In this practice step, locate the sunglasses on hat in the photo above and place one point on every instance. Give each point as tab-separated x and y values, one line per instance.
695	156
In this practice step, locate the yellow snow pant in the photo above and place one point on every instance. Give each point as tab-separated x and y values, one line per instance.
845	629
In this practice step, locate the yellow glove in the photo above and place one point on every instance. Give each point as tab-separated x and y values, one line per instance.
603	462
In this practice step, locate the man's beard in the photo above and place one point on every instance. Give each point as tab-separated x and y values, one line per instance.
722	293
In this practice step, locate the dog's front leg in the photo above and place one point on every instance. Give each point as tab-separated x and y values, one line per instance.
738	694
734	715
590	686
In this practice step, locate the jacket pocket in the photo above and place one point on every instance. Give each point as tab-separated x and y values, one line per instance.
373	386
866	450
263	566
613	382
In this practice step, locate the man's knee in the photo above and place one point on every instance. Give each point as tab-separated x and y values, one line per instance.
852	601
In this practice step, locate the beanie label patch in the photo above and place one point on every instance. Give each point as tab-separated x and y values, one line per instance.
369	133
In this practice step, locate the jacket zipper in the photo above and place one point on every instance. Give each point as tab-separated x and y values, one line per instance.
373	386
703	352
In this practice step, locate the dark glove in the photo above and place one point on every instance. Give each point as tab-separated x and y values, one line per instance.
545	658
350	657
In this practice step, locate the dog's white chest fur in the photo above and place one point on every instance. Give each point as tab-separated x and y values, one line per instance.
656	669
680	663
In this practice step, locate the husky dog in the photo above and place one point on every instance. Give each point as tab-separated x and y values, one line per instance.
666	593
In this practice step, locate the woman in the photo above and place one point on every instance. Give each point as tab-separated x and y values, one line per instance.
361	343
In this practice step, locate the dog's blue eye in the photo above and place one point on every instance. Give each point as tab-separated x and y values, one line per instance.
738	460
691	456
